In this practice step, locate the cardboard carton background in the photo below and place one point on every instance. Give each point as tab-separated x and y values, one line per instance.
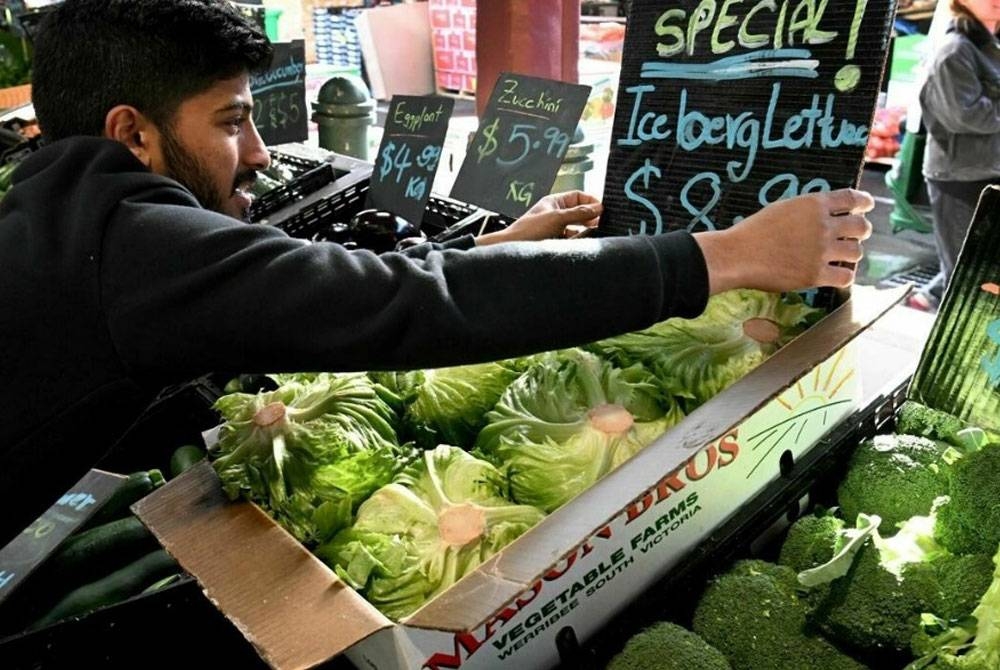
298	614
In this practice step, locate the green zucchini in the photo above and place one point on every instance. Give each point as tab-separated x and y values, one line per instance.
184	457
114	588
96	552
137	486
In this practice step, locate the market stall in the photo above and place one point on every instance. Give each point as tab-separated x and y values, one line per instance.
541	511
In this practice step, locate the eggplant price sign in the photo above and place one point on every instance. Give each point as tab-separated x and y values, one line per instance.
725	106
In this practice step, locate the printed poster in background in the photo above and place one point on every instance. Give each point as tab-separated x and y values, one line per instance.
727	106
279	96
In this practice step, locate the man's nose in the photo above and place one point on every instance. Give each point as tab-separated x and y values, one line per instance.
255	154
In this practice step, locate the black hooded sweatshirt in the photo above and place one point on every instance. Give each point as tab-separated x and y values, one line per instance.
114	283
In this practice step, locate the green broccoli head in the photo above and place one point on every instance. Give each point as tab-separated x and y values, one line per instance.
753	615
667	646
875	604
811	541
917	419
971	643
968	521
873	610
963	580
893	476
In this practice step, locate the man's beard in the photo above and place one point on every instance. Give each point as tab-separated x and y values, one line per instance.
185	168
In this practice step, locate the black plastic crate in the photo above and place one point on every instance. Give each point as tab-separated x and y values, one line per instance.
309	176
753	532
162	629
444	218
290	193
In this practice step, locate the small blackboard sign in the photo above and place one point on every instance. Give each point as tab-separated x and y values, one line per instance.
29	550
408	157
523	135
724	107
279	96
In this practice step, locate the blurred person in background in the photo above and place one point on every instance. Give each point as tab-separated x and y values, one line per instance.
960	103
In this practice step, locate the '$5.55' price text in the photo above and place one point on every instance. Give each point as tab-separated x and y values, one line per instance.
396	159
277	110
523	138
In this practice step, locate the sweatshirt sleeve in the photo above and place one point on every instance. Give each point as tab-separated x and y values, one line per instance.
956	97
187	291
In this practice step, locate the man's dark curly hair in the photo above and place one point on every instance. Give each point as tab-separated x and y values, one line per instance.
91	55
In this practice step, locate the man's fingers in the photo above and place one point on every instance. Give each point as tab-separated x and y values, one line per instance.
580	213
850	201
853	226
836	275
848	251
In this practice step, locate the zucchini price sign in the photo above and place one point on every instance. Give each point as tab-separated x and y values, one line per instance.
522	139
279	96
408	157
36	542
725	106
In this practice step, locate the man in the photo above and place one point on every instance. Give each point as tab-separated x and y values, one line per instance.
118	278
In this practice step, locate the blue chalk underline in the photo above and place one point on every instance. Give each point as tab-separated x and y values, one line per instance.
771	63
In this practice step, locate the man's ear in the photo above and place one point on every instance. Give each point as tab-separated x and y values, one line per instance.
128	125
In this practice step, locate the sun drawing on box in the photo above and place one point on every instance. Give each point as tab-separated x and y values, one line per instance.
807	405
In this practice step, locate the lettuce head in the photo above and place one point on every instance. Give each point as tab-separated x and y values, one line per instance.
568	421
449	405
415	537
308	452
697	358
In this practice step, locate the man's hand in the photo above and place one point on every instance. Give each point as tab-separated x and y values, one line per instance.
556	215
792	244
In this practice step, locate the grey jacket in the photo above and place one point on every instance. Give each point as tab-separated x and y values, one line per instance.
961	107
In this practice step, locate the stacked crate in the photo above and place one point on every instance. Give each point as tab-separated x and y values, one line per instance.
453	32
335	36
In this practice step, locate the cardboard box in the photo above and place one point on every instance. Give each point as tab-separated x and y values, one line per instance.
579	566
959	369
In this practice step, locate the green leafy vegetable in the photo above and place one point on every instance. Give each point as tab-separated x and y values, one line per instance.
309	452
697	358
568	421
667	646
449	405
753	614
893	476
415	537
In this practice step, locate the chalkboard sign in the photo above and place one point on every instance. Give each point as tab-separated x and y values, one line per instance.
523	135
408	157
724	107
279	96
30	549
